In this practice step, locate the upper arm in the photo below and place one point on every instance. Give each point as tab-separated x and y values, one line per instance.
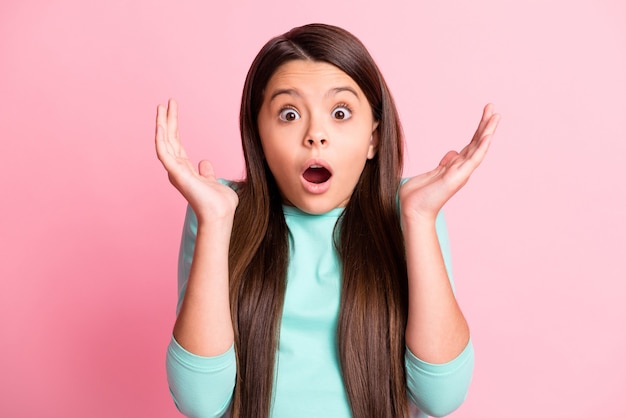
439	389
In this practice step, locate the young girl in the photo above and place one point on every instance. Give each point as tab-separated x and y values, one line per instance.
319	285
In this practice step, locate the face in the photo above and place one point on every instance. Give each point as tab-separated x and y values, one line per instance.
317	131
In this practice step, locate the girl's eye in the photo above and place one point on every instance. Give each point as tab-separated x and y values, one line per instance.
341	113
288	114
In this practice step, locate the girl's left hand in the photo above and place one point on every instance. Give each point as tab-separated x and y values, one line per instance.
423	196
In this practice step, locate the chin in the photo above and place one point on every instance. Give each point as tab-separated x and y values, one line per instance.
318	207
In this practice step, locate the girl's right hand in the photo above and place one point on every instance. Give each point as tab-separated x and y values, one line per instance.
209	199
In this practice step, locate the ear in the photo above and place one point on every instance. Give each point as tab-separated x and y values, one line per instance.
373	148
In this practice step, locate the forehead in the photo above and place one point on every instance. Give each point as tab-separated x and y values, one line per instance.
310	77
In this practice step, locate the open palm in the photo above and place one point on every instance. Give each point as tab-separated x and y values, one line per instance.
207	197
424	195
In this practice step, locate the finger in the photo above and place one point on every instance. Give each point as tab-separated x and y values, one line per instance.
477	154
450	155
160	120
164	148
492	125
486	127
172	119
160	116
160	144
487	131
206	170
484	121
168	148
171	155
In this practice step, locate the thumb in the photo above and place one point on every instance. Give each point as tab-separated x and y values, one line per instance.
446	158
206	169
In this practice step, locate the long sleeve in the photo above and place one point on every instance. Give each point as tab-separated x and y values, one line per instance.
439	389
200	386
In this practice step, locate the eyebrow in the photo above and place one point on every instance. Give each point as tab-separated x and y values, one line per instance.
289	92
331	92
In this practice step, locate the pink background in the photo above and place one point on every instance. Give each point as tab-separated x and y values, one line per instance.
90	226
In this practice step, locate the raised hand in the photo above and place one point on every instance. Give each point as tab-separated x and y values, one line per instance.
208	198
424	195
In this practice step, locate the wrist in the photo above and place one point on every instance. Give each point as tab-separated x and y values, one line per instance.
215	226
411	217
214	216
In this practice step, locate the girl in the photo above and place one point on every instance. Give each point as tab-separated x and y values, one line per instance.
318	286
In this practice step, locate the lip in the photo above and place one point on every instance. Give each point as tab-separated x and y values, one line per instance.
316	188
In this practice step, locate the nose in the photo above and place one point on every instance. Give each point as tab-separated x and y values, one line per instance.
316	133
312	141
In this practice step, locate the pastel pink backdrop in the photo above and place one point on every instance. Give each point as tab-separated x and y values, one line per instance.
90	226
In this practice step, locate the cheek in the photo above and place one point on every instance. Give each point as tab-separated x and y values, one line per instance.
276	157
357	145
265	128
266	139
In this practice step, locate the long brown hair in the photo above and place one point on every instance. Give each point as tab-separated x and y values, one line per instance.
370	245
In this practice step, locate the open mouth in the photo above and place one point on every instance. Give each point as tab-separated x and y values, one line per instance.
316	174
